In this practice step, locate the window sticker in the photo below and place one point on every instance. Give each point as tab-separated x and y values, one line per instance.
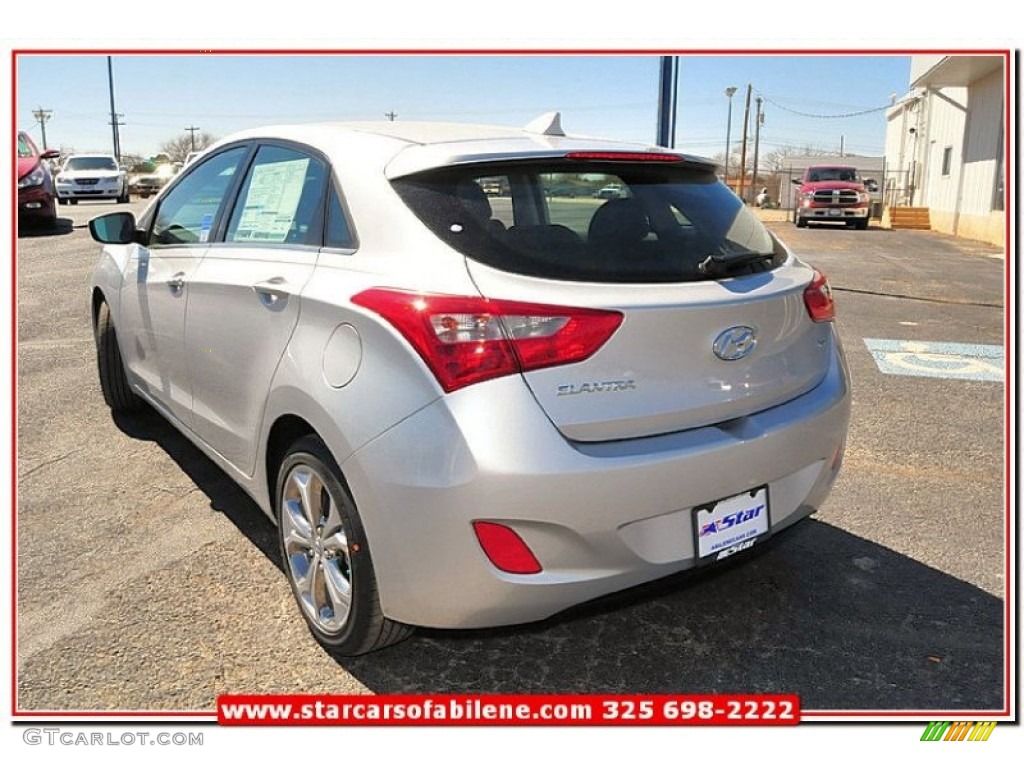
204	228
271	201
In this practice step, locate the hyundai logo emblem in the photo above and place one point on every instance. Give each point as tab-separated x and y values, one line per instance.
734	343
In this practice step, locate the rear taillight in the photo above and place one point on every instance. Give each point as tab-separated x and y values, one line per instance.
465	339
818	299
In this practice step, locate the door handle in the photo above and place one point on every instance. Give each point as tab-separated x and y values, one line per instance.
272	290
177	282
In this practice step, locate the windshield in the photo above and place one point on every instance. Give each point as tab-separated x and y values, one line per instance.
24	148
596	222
91	164
832	174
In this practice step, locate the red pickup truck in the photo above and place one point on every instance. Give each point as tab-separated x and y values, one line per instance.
832	193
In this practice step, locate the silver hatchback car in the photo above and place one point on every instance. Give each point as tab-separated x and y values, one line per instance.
468	410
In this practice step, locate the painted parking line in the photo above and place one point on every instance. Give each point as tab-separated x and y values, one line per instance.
941	360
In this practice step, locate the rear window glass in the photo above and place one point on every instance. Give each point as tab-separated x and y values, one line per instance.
609	223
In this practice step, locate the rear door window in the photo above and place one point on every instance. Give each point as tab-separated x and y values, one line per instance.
281	200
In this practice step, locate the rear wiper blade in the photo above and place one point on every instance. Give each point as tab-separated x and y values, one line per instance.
720	263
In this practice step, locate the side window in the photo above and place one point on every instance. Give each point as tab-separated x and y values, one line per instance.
187	212
339	234
281	199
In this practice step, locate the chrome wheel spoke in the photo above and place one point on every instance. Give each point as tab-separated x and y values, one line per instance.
339	590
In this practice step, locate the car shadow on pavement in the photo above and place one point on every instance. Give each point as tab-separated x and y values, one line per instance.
845	623
38	229
224	494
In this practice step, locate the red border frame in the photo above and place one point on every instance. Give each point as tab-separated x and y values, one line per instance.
896	715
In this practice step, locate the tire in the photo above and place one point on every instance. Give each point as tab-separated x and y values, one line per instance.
861	224
326	556
125	196
72	201
117	392
801	222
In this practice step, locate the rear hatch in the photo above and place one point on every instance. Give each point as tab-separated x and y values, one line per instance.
714	322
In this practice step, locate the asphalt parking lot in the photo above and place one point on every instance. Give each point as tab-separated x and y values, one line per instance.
148	581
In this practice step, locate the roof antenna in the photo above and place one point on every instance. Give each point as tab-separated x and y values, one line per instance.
548	124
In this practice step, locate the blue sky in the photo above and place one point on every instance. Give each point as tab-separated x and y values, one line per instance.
604	95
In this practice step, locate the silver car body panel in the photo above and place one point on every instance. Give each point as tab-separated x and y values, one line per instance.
601	486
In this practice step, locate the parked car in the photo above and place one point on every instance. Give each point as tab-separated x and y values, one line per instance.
36	197
459	421
832	193
610	192
92	177
149	183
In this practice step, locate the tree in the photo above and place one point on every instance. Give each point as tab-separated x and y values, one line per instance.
178	147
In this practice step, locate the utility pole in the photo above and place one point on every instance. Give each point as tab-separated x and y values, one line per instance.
743	152
192	135
391	116
842	144
667	101
42	115
757	139
114	123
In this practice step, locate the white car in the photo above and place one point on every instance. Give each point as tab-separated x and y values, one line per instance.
463	414
92	177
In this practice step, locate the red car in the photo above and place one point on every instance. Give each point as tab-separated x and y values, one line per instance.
37	199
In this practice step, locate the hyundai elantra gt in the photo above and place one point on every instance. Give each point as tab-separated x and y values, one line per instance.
466	409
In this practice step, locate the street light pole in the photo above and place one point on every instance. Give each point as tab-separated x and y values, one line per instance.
729	92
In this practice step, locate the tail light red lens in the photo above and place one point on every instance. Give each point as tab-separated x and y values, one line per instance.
505	548
465	339
818	299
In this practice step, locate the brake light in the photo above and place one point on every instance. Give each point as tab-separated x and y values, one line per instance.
465	339
818	299
505	548
627	157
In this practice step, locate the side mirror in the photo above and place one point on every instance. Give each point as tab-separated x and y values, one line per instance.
113	228
798	182
50	154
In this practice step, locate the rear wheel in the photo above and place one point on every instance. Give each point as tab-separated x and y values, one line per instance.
326	555
117	392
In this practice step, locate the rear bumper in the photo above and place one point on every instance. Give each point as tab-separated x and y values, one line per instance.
599	517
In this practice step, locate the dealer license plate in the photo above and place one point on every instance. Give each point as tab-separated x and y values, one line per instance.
732	525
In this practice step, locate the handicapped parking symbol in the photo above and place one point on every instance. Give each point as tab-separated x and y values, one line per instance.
975	362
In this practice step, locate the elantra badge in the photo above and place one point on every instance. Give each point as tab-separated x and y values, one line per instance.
734	343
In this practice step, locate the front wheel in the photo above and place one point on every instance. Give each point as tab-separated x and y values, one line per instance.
326	555
117	392
801	222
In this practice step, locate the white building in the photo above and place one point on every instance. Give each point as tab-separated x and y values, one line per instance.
945	145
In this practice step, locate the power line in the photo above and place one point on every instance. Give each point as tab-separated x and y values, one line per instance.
825	117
